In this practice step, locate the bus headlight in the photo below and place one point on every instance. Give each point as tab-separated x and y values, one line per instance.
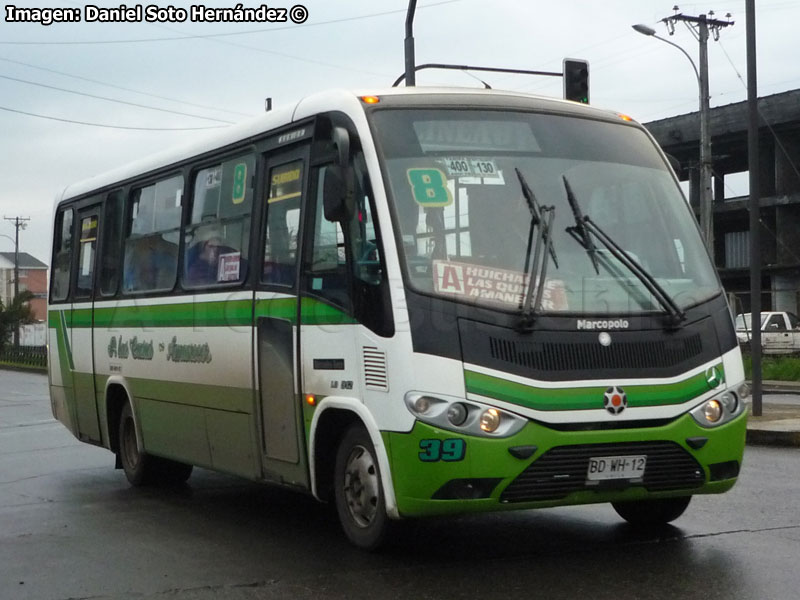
712	411
457	413
422	404
718	410
729	401
490	420
463	416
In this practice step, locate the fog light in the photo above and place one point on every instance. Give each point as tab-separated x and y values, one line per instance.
457	413
490	420
729	401
422	405
712	411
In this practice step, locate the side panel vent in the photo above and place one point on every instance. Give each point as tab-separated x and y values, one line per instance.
375	375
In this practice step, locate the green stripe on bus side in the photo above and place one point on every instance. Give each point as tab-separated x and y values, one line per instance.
583	398
231	399
64	348
224	313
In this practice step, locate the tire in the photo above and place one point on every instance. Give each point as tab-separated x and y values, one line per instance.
136	464
142	468
652	513
358	490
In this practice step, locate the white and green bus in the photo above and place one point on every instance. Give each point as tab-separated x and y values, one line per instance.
417	302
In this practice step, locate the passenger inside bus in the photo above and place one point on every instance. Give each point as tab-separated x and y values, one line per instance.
204	255
150	263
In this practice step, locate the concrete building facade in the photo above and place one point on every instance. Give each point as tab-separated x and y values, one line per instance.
779	183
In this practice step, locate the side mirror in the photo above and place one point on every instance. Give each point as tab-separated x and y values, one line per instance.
336	186
341	139
334	194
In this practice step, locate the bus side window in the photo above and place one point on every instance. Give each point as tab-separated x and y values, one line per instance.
363	237
326	264
62	258
112	236
151	247
283	223
218	233
86	256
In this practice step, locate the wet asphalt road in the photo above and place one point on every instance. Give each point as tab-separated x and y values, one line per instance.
71	527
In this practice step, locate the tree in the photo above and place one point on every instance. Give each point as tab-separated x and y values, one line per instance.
17	313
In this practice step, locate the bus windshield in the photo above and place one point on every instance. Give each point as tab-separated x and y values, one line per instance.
465	225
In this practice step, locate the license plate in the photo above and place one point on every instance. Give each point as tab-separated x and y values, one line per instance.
616	467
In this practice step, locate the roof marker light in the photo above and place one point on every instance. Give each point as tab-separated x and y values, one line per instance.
625	117
370	99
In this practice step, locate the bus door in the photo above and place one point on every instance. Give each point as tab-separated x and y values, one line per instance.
83	322
275	318
59	360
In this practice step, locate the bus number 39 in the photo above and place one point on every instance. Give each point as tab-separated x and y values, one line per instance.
450	450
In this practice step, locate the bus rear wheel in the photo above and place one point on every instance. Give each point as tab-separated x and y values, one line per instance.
142	468
652	513
358	490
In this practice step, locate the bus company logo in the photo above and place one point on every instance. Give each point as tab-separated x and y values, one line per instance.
603	324
615	400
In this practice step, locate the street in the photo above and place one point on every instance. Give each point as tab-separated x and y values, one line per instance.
71	527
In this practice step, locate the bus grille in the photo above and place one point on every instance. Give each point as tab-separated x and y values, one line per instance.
571	356
561	471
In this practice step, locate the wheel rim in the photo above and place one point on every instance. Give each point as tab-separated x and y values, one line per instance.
130	451
361	486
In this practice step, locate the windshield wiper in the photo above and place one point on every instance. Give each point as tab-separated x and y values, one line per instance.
536	270
584	226
579	231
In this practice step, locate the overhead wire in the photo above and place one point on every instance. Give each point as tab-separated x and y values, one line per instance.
122	88
763	117
51	118
135	104
208	37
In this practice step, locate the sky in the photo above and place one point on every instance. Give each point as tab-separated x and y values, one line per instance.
154	85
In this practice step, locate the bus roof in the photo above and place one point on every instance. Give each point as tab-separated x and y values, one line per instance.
342	100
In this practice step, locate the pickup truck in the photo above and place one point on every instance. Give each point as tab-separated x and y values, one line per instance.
780	332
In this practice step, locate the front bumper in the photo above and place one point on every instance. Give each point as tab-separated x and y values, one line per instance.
541	467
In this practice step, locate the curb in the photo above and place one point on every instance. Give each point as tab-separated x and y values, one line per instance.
767	437
24	369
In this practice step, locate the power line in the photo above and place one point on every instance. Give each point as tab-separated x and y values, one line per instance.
124	89
166	110
22	112
764	118
228	34
284	55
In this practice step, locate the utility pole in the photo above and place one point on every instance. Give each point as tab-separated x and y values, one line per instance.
701	26
19	223
755	205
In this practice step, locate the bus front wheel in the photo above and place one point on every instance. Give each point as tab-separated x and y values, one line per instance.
651	513
358	490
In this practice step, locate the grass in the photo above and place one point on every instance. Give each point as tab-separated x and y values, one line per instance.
779	368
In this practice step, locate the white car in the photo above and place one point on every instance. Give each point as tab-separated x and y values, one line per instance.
780	331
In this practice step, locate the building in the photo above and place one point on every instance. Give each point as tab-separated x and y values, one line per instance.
779	175
32	276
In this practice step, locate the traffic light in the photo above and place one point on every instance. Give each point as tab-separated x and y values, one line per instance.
576	80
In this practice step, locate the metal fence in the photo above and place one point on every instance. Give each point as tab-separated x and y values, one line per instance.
24	356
